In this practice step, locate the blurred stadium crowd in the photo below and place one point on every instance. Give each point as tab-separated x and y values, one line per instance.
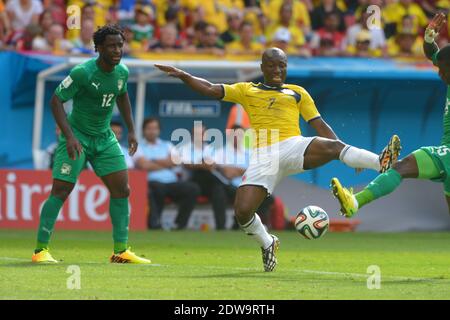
224	27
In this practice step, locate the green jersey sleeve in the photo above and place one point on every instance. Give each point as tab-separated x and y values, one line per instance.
72	84
125	72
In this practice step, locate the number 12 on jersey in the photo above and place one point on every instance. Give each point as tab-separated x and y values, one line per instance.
107	98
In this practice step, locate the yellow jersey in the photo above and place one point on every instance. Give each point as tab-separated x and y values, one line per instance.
274	112
394	12
300	13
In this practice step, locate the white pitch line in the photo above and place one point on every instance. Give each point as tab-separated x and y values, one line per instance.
346	274
14	259
319	272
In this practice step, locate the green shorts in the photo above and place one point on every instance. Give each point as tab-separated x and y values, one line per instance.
440	165
102	151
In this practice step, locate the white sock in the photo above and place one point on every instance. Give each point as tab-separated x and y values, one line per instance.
359	158
256	229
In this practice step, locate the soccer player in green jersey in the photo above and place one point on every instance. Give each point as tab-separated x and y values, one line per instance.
95	86
432	163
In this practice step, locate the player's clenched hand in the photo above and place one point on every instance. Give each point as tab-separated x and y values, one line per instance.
434	27
132	143
74	148
171	71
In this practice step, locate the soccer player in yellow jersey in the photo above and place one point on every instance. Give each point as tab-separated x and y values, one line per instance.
280	150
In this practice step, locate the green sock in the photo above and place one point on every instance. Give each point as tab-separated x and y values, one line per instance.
364	197
384	184
120	218
47	221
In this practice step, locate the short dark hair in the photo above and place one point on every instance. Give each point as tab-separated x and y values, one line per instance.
444	54
149	120
102	32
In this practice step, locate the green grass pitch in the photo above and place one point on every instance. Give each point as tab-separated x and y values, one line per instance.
227	265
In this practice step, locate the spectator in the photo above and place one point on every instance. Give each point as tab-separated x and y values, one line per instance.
405	44
168	40
142	28
5	26
117	128
181	11
320	13
300	14
88	12
214	12
362	47
327	41
23	12
130	46
156	156
282	39
376	34
84	44
394	13
234	21
25	41
246	44
53	41
197	158
209	42
96	10
126	11
195	34
57	8
46	21
285	26
172	18
254	14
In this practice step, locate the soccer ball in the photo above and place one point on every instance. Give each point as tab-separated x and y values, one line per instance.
312	222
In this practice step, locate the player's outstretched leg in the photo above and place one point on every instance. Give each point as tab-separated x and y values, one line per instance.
417	165
248	199
322	151
117	184
60	192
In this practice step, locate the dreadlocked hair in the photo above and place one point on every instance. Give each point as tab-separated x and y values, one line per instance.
106	30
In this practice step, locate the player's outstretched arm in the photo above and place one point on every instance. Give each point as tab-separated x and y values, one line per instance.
124	105
323	129
430	47
200	85
72	144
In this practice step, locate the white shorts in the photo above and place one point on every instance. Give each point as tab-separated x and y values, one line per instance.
268	165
